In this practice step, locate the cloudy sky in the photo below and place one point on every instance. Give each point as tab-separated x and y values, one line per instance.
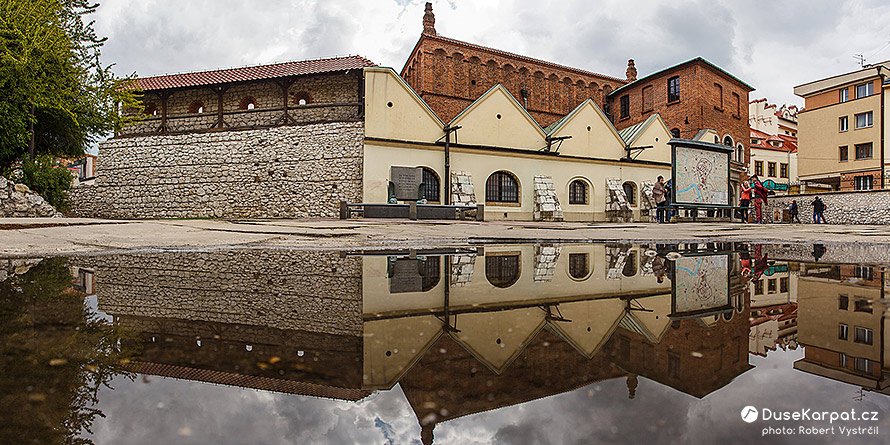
773	45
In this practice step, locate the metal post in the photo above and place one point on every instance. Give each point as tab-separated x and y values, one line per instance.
447	190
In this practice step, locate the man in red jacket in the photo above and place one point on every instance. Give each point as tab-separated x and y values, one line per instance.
760	194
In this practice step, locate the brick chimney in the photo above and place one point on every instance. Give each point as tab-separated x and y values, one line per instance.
631	71
429	20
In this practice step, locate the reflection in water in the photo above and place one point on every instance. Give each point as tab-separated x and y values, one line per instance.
55	354
468	331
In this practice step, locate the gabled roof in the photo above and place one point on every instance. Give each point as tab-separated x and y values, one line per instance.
630	134
554	127
507	55
697	59
499	87
248	73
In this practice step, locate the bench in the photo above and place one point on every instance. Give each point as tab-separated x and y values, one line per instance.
412	211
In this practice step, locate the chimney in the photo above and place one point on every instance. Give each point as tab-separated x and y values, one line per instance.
429	20
631	71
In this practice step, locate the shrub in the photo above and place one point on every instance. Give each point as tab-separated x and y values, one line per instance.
48	179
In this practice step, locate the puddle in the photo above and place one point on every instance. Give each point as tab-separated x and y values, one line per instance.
526	343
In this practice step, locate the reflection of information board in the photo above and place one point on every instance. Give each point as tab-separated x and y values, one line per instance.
701	174
404	276
701	285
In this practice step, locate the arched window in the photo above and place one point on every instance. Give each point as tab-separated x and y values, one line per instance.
578	192
502	270
197	107
247	103
302	98
675	132
727	140
430	184
630	264
429	272
579	265
630	191
740	153
501	187
151	109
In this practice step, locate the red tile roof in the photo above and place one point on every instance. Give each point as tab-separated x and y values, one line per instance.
248	73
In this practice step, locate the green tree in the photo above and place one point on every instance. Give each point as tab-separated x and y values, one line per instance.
51	77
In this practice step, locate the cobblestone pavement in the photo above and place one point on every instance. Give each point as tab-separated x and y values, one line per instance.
65	236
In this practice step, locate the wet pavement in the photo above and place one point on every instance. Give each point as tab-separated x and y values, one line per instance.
461	343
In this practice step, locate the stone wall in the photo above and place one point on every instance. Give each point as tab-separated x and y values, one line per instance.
17	200
289	171
855	207
325	98
281	289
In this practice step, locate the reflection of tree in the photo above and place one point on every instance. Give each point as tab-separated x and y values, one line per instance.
55	355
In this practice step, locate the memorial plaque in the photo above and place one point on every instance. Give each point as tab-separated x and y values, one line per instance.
405	276
407	180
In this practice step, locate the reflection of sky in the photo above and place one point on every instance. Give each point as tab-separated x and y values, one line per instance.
157	410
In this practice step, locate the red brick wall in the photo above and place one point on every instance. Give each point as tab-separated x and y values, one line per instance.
699	106
450	75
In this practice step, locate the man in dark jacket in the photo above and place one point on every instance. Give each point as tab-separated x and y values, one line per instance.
818	208
658	193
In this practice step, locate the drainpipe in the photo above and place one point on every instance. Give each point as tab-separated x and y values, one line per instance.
882	77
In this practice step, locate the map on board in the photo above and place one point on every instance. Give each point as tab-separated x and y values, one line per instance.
701	176
701	283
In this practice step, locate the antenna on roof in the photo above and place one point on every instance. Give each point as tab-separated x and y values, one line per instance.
861	60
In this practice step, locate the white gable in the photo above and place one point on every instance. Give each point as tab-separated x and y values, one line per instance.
496	119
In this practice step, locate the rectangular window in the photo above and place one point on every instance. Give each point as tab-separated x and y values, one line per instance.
864	272
863	151
738	104
625	106
843	302
863	335
864	90
844	94
863	182
842	360
758	287
647	99
771	169
674	365
718	90
842	330
783	170
862	305
843	153
771	285
758	168
844	123
863	365
864	120
674	89
783	284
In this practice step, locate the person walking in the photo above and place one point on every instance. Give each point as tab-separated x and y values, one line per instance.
818	209
668	186
745	199
793	211
760	197
658	193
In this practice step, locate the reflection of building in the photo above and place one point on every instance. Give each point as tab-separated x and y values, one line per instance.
841	132
488	328
841	316
774	309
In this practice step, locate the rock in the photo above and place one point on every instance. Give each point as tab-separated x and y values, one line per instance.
21	188
3	184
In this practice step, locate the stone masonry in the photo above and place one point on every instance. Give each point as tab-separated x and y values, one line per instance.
546	257
547	206
17	200
282	289
850	207
288	172
647	201
462	267
462	192
617	207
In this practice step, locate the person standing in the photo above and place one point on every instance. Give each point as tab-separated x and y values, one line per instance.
745	199
668	186
760	197
658	193
818	209
793	211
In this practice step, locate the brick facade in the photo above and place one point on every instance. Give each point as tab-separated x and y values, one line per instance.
709	99
449	75
848	180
